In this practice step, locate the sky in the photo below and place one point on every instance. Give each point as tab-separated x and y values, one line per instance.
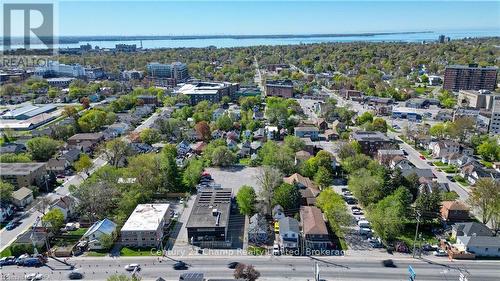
140	17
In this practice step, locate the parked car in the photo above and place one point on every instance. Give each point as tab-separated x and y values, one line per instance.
364	224
13	224
75	275
233	265
132	267
430	248
388	263
357	212
8	261
180	265
33	276
32	262
365	231
440	253
422	157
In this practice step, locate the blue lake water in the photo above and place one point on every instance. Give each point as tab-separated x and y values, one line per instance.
229	42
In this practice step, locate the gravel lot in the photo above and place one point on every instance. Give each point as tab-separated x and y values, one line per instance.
236	176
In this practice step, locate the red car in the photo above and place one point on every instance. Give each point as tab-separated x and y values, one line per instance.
422	157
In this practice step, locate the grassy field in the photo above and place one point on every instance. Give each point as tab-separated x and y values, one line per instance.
136	252
79	231
408	233
245	161
461	180
6	253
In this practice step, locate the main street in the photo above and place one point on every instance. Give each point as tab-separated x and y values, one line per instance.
271	268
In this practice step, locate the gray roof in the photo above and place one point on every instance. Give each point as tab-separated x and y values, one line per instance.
369	136
306	129
426	173
104	226
472	229
20	169
480	241
206	201
21	193
288	224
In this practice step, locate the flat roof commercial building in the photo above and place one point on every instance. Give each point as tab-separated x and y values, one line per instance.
23	174
279	88
481	99
471	77
146	225
27	112
371	142
209	216
209	91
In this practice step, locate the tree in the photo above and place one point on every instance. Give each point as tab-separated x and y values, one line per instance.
97	200
203	130
335	210
269	178
366	187
323	177
287	196
42	148
83	164
246	198
6	190
428	204
346	150
281	157
116	151
460	128
438	130
246	272
365	117
107	241
222	156
485	197
294	143
224	123
358	161
387	216
172	180
489	150
150	136
192	173
55	219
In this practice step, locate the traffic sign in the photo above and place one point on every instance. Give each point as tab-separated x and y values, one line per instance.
412	273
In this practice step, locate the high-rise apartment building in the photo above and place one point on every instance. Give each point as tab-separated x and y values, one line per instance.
471	77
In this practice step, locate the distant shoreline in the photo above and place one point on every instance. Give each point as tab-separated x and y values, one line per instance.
78	39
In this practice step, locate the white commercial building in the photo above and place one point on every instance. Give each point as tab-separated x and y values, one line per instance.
146	225
495	116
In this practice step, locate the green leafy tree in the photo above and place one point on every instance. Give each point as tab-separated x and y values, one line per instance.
335	210
489	150
287	196
428	204
280	157
294	143
246	199
366	187
365	117
222	156
107	241
150	136
387	216
6	190
224	123
55	219
42	148
172	180
485	198
192	174
15	158
323	177
116	151
269	178
83	164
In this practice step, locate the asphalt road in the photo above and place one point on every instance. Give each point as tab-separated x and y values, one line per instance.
272	268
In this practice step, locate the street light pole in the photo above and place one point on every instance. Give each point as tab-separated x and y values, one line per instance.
416	233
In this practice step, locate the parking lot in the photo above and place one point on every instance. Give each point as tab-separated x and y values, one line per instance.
354	239
234	177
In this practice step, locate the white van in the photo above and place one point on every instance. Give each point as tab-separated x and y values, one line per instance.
276	250
364	224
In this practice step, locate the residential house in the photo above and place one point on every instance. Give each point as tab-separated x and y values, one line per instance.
400	162
451	159
38	236
218	113
302	156
307	132
384	156
331	135
314	230
199	147
12	147
289	233
260	133
231	144
308	190
22	197
183	147
96	231
141	148
57	165
424	175
454	211
66	204
71	155
217	134
142	111
480	246
93	138
470	229
445	147
278	212
321	124
258	229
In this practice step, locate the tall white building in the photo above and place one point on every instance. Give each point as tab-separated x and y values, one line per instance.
176	70
54	68
495	116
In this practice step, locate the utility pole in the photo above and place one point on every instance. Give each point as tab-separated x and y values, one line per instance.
416	233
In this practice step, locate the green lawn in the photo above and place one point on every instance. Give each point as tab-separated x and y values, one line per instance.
487	164
136	252
256	251
79	231
408	234
6	253
461	180
439	164
245	161
450	170
96	254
